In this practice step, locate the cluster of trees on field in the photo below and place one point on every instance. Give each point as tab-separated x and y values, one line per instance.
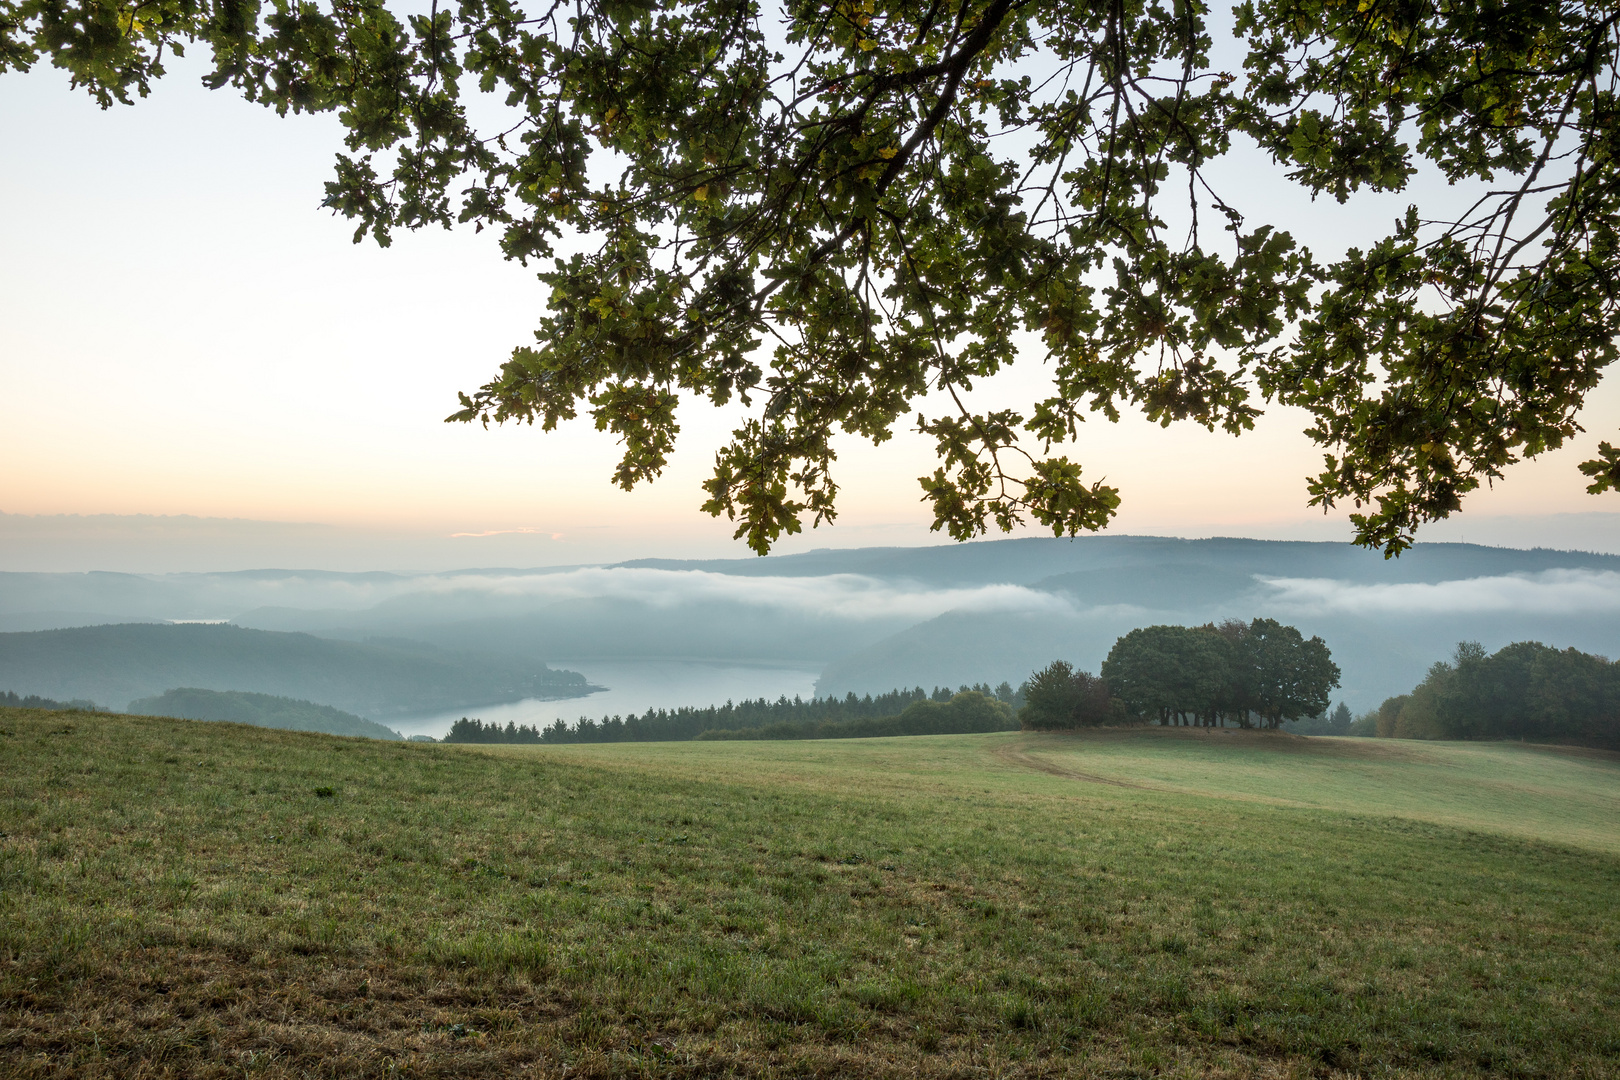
11	700
1526	690
1255	673
734	718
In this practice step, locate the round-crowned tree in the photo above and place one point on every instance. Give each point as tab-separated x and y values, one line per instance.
1292	676
1168	672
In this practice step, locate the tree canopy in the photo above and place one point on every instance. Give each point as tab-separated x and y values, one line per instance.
1289	675
1525	690
1169	671
1212	673
832	208
1058	697
898	712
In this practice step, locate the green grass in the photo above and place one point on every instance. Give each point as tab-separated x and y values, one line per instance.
177	899
1563	795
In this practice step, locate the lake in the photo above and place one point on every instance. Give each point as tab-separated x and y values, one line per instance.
634	686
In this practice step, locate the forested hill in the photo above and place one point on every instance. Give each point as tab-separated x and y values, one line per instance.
116	664
260	710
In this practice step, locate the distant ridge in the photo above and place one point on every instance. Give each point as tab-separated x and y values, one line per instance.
936	615
120	663
260	710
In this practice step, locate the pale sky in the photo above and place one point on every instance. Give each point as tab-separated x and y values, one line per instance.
183	331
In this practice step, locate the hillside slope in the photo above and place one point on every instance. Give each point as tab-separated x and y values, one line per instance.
930	908
1559	795
114	665
259	710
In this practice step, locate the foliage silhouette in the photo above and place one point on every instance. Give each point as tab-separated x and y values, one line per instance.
889	195
1526	690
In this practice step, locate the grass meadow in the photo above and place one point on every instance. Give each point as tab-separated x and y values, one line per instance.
192	899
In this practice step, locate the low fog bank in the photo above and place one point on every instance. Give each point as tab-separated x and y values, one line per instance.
1384	635
1380	654
623	612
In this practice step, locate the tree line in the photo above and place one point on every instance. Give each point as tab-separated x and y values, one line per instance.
10	700
1339	722
968	712
1526	690
734	719
1259	673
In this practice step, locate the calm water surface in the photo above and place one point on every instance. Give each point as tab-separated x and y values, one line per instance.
634	687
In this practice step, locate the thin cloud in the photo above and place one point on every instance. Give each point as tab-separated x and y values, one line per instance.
524	531
842	596
1550	592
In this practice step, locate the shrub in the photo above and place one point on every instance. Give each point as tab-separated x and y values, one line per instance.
1364	726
